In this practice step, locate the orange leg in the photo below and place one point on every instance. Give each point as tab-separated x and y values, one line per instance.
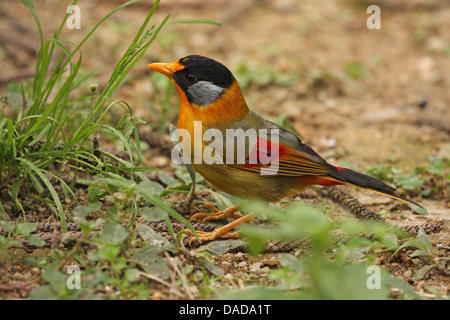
217	215
222	232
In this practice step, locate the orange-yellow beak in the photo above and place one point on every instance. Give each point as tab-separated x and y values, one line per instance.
167	69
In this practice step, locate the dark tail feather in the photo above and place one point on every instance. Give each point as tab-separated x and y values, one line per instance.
361	180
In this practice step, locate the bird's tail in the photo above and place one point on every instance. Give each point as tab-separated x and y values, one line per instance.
350	177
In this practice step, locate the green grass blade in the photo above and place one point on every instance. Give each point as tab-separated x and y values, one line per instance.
50	188
61	46
194	21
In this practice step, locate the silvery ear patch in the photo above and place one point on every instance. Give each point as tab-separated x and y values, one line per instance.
203	93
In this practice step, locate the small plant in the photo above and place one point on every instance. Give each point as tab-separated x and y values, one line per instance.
18	233
263	75
331	261
355	70
426	180
51	128
44	134
423	246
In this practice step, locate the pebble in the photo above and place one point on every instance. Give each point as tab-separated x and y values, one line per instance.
229	276
194	290
255	267
157	296
20	277
242	265
35	270
226	264
408	274
329	142
421	284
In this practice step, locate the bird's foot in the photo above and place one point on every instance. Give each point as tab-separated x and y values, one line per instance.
217	215
221	232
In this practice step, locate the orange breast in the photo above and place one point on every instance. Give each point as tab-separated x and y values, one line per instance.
230	107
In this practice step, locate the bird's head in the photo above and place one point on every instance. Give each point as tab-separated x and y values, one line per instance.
202	80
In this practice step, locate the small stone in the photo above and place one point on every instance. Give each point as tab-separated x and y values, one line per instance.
157	296
255	267
408	274
229	276
226	264
242	265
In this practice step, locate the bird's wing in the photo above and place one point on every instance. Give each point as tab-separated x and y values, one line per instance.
279	152
288	156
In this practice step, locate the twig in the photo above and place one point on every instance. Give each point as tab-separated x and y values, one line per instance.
175	265
167	284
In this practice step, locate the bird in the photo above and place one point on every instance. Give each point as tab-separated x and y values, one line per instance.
210	95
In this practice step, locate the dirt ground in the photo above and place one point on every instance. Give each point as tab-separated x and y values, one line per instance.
395	108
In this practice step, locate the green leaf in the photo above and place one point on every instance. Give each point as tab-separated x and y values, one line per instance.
135	169
15	189
5	224
257	238
283	122
43	293
158	202
56	279
166	179
153	214
113	181
408	292
25	228
390	240
381	171
288	260
149	260
151	237
355	70
409	243
221	201
95	193
418	253
84	210
215	270
109	253
424	241
194	21
256	293
36	183
132	275
52	190
419	210
40	134
411	181
28	3
113	233
149	187
35	241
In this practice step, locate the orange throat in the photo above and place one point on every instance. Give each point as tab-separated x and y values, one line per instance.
230	107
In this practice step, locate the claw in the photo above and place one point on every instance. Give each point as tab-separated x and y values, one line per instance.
217	215
221	232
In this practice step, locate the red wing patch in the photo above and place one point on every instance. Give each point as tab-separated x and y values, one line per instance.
270	158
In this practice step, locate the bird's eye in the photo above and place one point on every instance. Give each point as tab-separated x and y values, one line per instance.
190	78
